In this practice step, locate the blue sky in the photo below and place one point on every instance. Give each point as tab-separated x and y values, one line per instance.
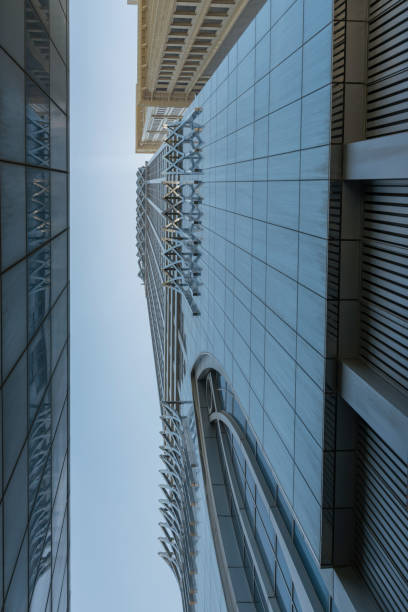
114	405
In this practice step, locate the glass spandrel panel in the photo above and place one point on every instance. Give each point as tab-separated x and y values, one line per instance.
59	207
42	8
59	264
14	313
13	214
58	27
12	28
39	542
15	516
37	126
14	416
59	508
11	110
59	567
1	548
59	449
39	365
64	593
58	138
37	48
59	322
58	79
41	588
39	443
59	386
38	207
39	290
17	596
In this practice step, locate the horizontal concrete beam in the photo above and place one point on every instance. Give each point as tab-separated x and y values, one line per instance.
378	402
385	157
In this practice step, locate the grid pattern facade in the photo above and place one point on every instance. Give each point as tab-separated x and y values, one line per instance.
302	305
34	515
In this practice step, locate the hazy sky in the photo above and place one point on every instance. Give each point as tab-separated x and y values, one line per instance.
114	405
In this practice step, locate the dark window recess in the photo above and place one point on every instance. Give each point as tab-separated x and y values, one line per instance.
384	281
387	74
381	541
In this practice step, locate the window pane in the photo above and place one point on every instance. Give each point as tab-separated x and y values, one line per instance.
58	28
58	138
64	594
39	444
59	265
40	529
42	8
17	595
59	319
13	222
58	79
38	207
59	387
14	415
39	292
12	28
59	567
15	516
37	126
37	48
14	313
59	508
42	585
59	212
39	365
59	449
11	110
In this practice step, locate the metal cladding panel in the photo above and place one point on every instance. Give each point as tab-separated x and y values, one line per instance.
387	75
382	520
384	286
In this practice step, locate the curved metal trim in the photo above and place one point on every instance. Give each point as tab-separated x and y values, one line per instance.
211	506
303	585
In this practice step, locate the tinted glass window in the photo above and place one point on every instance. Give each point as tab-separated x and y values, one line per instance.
39	292
58	79
15	516
58	138
14	415
37	49
37	126
59	264
11	110
59	212
14	313
13	221
38	207
39	365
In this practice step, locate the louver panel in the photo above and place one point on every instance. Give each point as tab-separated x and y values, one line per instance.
382	520
387	74
384	282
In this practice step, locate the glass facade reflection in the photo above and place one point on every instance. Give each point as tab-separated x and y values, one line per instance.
286	284
34	305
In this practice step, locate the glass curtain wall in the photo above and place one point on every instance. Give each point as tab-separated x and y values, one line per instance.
34	304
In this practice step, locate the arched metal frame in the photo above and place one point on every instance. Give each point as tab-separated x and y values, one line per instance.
212	420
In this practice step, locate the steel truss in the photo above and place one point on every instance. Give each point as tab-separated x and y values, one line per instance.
177	506
181	240
141	221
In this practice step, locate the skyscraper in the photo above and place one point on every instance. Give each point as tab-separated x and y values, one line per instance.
34	520
180	44
272	242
